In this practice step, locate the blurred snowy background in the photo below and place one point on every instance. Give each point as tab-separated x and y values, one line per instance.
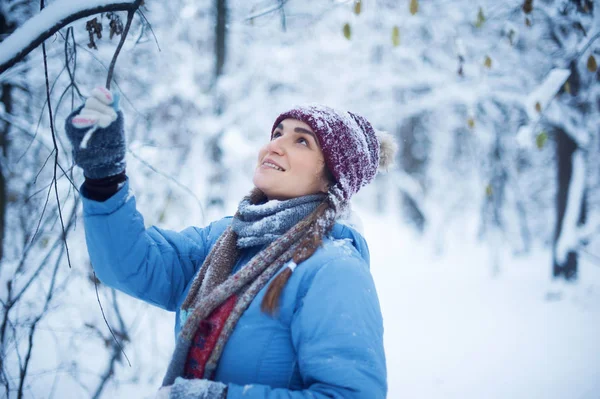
484	238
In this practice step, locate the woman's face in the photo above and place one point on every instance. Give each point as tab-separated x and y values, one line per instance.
291	164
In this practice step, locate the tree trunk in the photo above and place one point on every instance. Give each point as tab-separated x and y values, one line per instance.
565	148
413	158
6	100
220	36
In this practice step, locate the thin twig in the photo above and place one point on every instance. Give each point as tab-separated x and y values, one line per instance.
37	229
4	378
5	323
117	349
266	11
44	310
151	30
65	174
43	166
111	68
588	44
123	95
23	371
23	128
46	258
105	320
171	178
282	11
591	255
73	57
62	223
41	116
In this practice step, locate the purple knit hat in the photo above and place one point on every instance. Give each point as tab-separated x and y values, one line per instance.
348	141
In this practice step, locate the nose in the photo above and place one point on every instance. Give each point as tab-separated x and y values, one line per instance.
276	146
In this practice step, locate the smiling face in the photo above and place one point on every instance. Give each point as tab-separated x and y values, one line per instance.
291	164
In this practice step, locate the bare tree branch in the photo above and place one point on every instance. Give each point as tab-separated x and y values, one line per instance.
130	15
117	348
267	10
43	312
22	37
150	27
64	235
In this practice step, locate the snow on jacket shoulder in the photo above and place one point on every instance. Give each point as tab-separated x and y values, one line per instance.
326	341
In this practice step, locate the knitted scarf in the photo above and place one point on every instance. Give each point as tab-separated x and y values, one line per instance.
264	223
217	296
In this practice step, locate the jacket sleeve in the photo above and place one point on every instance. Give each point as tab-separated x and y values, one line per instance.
151	264
338	334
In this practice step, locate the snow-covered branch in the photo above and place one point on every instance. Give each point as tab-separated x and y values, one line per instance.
571	121
539	100
50	20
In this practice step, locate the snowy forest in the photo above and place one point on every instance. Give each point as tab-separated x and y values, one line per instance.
484	236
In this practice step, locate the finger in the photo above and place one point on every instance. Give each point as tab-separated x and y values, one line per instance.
83	122
90	114
93	104
106	120
103	95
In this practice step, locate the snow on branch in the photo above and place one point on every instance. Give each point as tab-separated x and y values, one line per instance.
50	20
538	100
541	97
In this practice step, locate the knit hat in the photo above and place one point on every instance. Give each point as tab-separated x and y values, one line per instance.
353	150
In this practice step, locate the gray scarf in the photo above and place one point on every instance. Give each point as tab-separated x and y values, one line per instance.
264	223
278	223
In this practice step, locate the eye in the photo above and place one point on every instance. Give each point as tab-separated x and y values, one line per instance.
275	135
302	141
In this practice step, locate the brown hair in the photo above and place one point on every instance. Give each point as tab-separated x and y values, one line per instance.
321	221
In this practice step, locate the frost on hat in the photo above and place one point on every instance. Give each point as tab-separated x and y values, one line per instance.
348	141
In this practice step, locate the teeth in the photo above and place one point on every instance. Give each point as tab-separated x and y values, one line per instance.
272	165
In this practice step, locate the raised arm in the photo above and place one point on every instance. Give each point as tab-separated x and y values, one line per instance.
151	264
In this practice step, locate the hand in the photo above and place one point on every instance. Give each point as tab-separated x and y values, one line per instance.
96	135
196	389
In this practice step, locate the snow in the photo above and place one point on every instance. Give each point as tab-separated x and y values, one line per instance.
546	91
345	245
452	331
247	388
538	100
50	16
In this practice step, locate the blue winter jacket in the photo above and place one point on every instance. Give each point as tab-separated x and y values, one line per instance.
326	340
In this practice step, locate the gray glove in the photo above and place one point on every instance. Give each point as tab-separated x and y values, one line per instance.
194	389
96	135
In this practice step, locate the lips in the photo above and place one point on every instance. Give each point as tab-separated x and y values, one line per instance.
269	163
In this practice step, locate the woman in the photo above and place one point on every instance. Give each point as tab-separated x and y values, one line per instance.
274	302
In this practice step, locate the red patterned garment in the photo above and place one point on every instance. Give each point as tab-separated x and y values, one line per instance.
206	338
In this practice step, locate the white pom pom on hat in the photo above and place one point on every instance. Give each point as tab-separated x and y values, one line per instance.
387	150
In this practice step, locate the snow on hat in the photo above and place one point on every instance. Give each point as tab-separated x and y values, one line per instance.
349	143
